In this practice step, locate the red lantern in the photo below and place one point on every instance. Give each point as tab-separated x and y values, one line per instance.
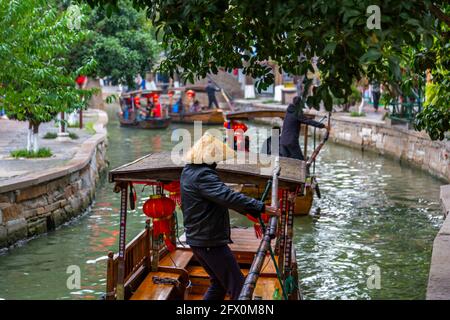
239	125
160	209
174	191
80	80
190	93
157	105
137	102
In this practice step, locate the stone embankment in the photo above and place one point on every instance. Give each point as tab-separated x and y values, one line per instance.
439	279
38	202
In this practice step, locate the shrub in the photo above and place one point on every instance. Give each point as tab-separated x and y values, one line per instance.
73	136
90	128
23	153
50	135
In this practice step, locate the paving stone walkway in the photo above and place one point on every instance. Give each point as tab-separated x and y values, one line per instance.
13	136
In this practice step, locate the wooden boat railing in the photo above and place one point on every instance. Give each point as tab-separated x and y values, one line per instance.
137	263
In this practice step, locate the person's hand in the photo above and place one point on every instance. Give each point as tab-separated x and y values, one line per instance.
272	211
328	127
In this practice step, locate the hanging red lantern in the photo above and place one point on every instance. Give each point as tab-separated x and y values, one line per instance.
174	191
157	109
80	80
190	93
137	101
160	209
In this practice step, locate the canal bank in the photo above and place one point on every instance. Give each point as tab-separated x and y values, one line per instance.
39	201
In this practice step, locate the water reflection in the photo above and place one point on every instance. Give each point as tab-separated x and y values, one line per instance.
373	211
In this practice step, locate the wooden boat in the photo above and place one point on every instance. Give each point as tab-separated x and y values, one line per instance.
189	94
305	200
135	102
144	269
208	117
252	114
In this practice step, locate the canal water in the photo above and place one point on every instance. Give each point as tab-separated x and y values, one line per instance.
369	237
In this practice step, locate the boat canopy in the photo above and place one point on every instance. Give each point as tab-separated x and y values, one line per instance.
251	114
159	167
260	113
196	88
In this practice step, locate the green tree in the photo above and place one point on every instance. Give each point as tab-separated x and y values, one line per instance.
202	35
123	43
36	80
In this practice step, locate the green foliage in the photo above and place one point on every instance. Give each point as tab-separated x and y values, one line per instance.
50	135
435	116
357	114
73	136
122	43
90	128
36	77
75	124
201	36
23	153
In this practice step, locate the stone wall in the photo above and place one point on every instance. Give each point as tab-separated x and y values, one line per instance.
38	203
411	146
439	279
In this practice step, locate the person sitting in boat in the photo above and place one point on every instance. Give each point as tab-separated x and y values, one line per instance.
149	109
177	106
195	106
289	141
267	145
205	201
211	91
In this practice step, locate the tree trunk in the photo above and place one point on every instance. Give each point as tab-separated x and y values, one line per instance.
36	137
29	137
96	101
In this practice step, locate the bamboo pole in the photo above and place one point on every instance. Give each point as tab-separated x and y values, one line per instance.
123	223
265	244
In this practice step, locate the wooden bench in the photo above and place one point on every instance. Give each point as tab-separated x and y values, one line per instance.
178	261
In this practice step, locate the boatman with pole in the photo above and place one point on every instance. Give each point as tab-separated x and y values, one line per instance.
211	91
205	201
289	141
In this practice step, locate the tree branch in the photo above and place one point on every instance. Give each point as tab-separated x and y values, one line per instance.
437	12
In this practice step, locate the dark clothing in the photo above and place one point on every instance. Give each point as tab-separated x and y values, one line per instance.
205	200
376	100
212	100
289	141
376	94
224	272
292	151
211	91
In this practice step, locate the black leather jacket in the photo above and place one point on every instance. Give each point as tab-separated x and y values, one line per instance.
205	201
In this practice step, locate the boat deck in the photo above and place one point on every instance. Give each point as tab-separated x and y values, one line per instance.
244	247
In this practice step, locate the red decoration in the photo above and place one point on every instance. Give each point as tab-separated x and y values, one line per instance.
160	209
80	80
137	102
157	110
174	191
256	225
190	93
